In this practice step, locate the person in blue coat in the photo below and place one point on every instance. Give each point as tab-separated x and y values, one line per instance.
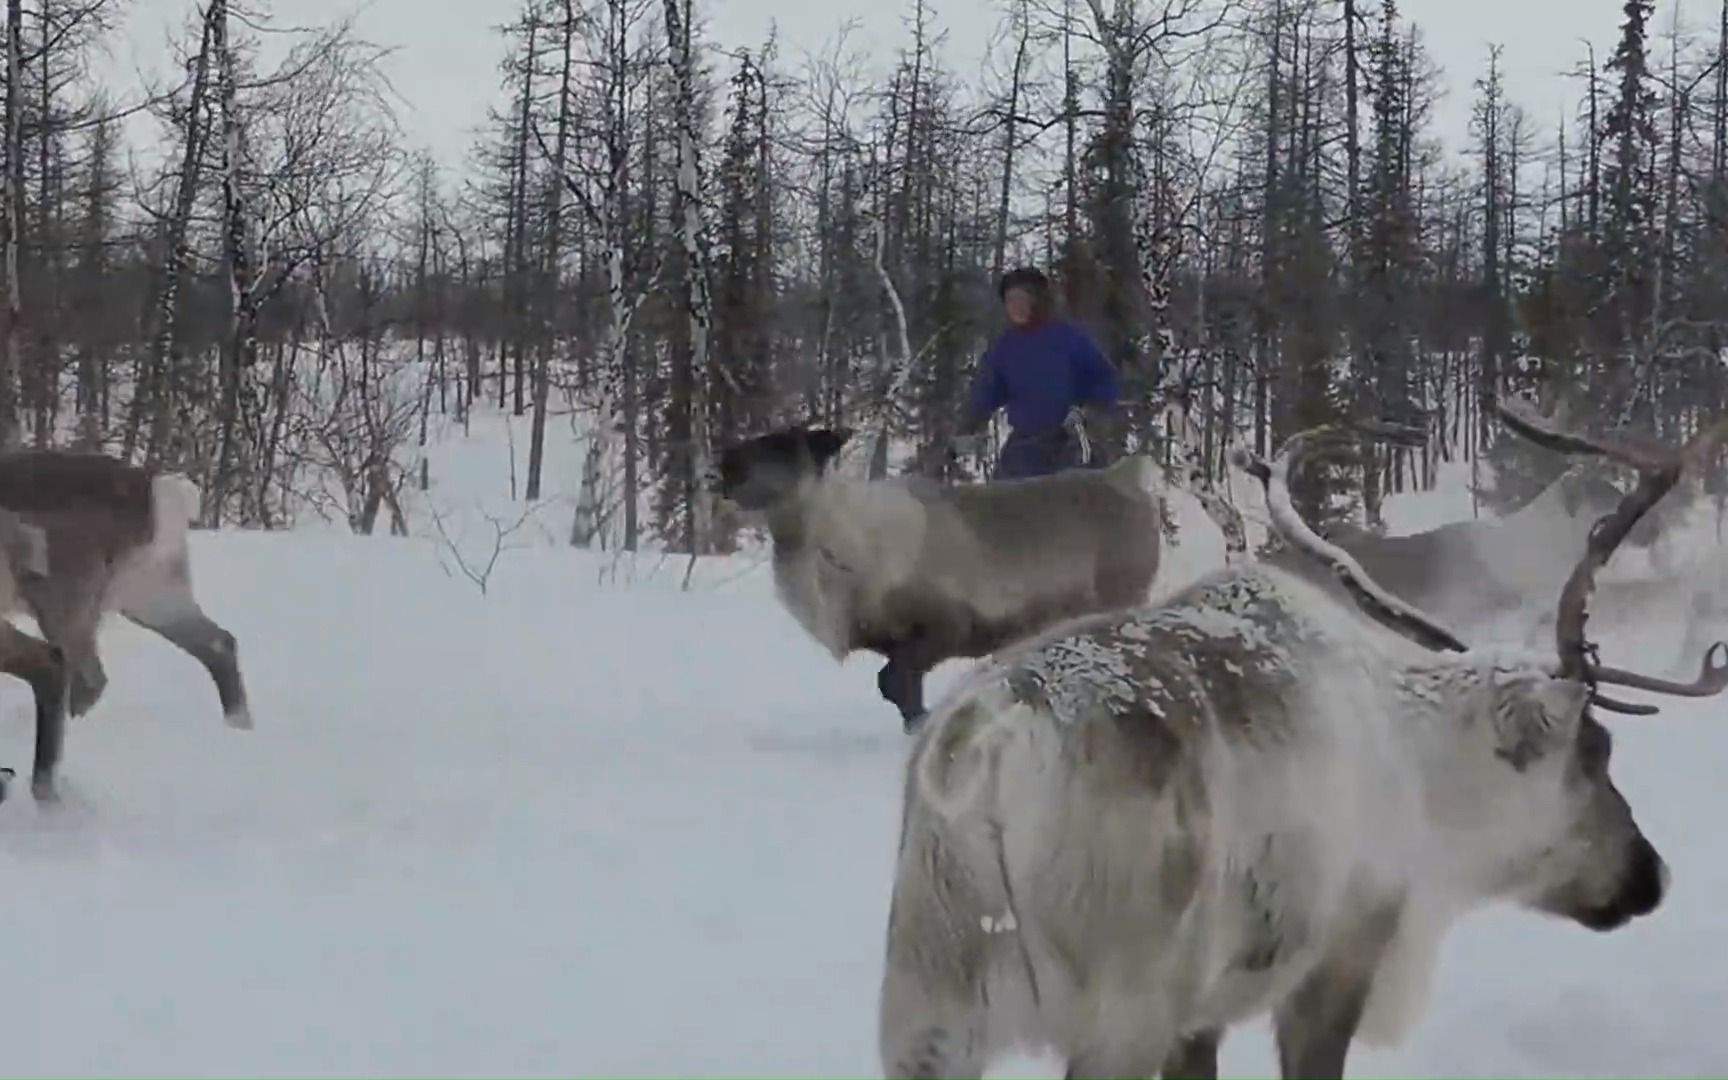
1042	369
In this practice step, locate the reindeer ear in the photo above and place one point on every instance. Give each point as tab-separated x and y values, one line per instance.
824	443
1534	719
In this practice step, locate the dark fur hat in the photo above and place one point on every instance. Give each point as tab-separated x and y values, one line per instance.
1026	277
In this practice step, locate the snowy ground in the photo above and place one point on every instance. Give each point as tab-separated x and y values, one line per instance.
582	828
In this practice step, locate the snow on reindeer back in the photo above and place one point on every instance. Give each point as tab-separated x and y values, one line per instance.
1248	629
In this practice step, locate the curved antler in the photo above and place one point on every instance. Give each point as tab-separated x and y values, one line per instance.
1659	469
1380	605
1712	677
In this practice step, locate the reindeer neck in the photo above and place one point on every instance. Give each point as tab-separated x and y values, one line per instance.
789	525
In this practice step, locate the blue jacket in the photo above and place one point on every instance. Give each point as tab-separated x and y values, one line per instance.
1039	373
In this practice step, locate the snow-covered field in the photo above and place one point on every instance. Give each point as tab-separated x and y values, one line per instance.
582	827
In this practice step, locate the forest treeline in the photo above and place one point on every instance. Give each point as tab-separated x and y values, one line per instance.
670	244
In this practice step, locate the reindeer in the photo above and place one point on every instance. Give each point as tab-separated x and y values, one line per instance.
1259	796
1465	572
921	572
116	541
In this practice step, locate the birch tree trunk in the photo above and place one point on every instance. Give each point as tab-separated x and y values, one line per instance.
585	528
240	347
698	302
10	434
892	390
44	380
609	219
168	384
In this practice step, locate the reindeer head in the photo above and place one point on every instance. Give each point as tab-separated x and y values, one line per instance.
1524	784
780	465
1604	871
1587	495
1532	805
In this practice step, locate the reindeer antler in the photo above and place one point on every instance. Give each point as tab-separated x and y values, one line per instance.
1659	469
1376	602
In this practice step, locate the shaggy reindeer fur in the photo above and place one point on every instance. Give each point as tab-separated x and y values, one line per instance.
116	537
1137	829
920	572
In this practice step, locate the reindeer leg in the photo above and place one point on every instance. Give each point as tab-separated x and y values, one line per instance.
87	682
888	682
1316	1024
1111	1046
1195	1057
169	608
931	1010
43	667
69	615
911	702
901	682
1143	1057
914	657
1315	1027
903	686
931	1050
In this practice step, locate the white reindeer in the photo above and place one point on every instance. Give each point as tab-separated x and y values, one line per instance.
1470	573
116	541
1261	796
922	572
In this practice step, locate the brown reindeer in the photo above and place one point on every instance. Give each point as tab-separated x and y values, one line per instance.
922	572
116	541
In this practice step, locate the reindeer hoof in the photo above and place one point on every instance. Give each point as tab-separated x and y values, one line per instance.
240	719
911	722
82	697
42	788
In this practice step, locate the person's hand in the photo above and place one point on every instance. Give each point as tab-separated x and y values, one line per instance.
1075	421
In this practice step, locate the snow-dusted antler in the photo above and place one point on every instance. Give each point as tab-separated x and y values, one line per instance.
1379	604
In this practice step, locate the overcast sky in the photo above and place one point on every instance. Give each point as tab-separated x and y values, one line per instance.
445	66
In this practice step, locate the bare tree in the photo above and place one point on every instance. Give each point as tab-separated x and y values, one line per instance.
692	235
